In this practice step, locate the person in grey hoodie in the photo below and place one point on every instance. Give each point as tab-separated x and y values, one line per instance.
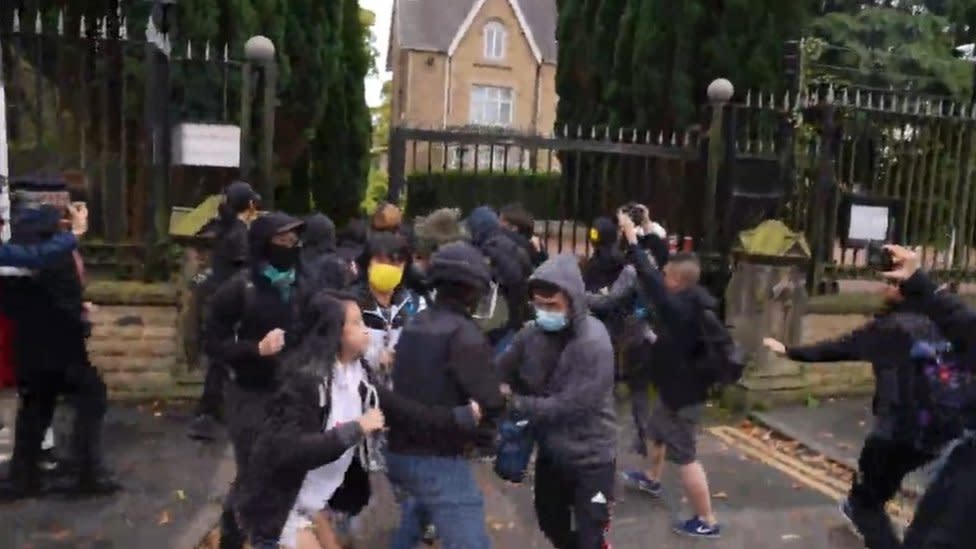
559	376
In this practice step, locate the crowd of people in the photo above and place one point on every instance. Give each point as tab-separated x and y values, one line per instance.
401	347
413	348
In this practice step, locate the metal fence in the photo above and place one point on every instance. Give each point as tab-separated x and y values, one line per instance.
80	104
566	179
914	153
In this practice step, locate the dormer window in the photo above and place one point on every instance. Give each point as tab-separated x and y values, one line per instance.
495	38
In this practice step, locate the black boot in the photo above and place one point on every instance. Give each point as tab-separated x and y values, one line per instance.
24	478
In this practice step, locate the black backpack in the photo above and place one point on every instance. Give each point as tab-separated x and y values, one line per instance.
719	360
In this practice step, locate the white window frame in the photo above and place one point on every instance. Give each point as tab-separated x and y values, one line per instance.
495	41
488	103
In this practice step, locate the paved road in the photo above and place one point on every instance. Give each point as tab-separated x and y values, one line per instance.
173	487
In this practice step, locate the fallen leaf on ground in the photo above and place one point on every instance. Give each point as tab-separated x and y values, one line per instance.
790	537
157	414
720	495
827	435
180	495
797	486
163	518
61	535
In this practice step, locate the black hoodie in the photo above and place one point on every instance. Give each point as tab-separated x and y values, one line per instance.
320	266
247	307
230	246
679	334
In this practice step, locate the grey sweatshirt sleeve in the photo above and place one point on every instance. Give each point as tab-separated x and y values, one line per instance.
585	393
620	292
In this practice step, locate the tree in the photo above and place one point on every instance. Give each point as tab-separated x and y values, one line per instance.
340	149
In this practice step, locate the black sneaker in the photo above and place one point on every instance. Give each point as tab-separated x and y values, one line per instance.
847	511
204	428
430	535
18	488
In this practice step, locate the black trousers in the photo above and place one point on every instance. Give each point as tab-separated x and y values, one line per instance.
882	467
245	410
945	517
211	401
583	496
85	392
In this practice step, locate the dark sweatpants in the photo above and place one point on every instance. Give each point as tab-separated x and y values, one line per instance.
86	393
573	505
882	467
945	517
244	411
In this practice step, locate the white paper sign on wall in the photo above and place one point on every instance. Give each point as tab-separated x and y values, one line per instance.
211	145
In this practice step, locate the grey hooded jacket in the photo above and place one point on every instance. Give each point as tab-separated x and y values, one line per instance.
563	381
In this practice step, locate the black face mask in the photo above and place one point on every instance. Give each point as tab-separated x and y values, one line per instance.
283	258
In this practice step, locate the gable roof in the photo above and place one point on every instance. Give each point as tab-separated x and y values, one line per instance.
434	25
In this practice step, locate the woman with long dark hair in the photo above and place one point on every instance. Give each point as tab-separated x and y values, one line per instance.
305	466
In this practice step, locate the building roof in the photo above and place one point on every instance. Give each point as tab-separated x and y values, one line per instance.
434	25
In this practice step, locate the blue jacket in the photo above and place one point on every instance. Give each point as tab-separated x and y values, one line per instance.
39	255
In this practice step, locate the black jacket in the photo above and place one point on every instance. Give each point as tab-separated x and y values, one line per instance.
243	311
602	268
679	334
230	252
886	342
291	443
320	266
46	308
536	257
442	359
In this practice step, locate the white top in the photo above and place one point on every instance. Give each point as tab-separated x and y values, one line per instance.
346	406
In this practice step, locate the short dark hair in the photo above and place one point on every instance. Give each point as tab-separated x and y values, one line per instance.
543	289
384	244
518	216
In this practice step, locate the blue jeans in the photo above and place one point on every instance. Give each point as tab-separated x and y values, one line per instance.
441	491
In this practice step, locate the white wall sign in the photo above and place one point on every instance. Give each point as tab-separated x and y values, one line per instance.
213	145
868	223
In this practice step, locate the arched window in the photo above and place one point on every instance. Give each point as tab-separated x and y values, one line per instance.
495	38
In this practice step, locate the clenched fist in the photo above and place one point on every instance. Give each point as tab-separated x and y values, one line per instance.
272	343
372	421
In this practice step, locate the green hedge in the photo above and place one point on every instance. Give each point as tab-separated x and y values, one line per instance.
540	193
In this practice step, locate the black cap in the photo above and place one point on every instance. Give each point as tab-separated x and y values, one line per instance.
459	262
239	195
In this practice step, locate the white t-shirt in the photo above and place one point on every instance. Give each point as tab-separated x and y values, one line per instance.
320	484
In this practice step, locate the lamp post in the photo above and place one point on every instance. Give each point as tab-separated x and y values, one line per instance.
258	103
720	92
158	50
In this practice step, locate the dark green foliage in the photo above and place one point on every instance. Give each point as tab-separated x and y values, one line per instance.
647	63
539	193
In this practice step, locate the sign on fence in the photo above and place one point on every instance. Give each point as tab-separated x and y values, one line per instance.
211	145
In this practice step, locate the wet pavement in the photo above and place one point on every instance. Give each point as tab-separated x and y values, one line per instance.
835	428
174	486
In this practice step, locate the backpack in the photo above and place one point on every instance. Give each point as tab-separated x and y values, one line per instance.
942	392
720	360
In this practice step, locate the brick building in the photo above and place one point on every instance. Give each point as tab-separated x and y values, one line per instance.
488	64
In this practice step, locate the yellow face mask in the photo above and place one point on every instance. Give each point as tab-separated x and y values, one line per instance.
385	278
594	236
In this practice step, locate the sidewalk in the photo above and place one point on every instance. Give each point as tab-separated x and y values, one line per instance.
835	428
172	491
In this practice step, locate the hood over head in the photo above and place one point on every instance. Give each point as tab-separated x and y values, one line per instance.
441	227
482	222
319	234
264	228
459	262
563	272
606	232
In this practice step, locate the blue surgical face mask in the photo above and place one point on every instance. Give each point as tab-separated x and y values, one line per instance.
550	321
